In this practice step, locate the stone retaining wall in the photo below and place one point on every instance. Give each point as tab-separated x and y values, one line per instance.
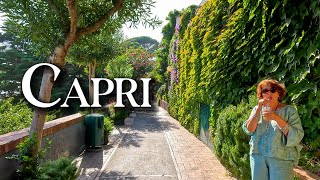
67	136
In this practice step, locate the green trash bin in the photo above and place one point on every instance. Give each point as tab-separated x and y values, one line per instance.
94	130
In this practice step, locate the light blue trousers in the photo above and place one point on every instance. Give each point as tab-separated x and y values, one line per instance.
267	168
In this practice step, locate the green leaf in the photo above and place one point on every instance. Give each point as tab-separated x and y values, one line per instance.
275	8
311	50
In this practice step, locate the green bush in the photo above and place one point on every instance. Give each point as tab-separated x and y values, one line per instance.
162	93
230	142
61	169
31	169
310	160
14	117
119	116
108	124
116	114
111	111
28	166
108	127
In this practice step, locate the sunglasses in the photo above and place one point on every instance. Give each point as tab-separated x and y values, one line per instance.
264	91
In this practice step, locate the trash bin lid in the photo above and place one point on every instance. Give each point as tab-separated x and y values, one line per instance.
95	115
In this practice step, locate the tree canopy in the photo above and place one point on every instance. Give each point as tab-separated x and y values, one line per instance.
46	25
15	59
146	42
101	47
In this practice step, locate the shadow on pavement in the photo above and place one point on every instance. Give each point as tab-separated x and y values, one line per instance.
92	160
147	121
151	122
131	139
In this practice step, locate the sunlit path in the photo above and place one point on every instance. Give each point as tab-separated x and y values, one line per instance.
156	146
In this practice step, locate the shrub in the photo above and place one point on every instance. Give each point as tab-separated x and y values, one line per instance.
30	168
161	93
108	124
14	117
116	114
230	142
62	168
119	116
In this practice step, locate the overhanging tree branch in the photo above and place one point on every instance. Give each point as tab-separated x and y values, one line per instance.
97	25
71	38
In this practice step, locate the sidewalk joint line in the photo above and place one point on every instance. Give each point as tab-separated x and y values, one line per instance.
172	156
114	150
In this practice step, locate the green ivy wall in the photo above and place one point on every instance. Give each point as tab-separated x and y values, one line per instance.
229	46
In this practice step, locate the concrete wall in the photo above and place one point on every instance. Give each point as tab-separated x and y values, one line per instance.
66	142
67	136
163	104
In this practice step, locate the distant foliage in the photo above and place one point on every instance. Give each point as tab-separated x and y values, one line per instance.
133	63
142	62
14	117
161	93
119	68
146	42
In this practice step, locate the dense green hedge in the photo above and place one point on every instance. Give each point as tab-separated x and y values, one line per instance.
230	46
160	72
231	143
187	116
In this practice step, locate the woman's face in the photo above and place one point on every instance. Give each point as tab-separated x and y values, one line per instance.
267	92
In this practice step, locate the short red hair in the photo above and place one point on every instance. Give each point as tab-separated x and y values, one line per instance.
280	88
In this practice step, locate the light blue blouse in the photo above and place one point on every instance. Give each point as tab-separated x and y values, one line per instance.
268	139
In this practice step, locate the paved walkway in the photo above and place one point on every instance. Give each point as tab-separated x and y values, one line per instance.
152	145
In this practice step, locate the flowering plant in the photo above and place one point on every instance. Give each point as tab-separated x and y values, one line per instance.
142	61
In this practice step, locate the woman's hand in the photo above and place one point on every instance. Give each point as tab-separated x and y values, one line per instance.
263	102
270	115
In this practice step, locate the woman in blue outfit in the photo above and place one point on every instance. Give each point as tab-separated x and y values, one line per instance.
275	131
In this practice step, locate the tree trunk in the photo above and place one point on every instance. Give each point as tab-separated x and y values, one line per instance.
58	59
90	84
92	74
39	116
